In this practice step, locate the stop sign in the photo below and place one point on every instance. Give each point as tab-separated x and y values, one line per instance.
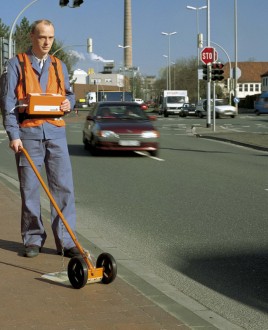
208	55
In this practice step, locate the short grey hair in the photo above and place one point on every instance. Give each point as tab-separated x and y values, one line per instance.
35	23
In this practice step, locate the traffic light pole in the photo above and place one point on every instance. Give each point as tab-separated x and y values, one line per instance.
209	69
209	95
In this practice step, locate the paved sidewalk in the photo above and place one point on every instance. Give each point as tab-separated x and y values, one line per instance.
31	302
258	141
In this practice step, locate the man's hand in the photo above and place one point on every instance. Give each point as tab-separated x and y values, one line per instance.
15	145
65	106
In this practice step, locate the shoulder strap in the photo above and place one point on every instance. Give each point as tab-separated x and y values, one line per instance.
54	63
22	65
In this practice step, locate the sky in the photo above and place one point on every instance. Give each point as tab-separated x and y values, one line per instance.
103	21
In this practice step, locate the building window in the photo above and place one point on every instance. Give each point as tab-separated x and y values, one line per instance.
251	87
96	81
246	87
240	88
257	87
108	80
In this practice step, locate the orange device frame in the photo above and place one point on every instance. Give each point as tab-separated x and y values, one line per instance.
44	104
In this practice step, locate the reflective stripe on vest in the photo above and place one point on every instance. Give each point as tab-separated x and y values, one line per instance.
29	83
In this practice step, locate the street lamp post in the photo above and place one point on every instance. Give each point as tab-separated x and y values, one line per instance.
197	28
174	74
67	46
167	69
235	55
13	26
97	79
124	88
168	35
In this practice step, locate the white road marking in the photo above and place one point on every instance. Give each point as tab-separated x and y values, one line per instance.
231	129
149	156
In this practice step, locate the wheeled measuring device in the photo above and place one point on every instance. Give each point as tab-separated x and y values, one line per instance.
81	269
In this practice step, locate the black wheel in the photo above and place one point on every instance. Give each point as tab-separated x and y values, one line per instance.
78	272
153	153
108	263
93	148
85	141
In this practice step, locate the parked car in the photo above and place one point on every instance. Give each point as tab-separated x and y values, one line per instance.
139	101
120	126
188	109
81	103
222	108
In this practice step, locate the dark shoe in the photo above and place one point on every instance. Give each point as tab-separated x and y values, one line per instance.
70	253
32	251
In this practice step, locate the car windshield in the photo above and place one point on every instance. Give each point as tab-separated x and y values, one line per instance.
132	111
221	102
175	99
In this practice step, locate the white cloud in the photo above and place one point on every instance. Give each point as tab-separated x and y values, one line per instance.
78	55
95	57
91	56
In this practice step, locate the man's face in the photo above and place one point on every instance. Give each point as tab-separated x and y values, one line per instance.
42	39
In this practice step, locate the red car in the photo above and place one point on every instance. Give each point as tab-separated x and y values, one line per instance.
120	126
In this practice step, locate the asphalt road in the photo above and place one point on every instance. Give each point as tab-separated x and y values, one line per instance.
196	216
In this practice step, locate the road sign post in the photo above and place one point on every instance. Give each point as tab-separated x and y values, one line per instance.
208	55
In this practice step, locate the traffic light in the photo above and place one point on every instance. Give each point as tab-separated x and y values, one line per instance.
77	3
64	3
217	71
205	72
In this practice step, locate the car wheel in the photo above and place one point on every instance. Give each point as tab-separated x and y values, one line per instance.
200	115
233	116
165	114
85	141
92	147
153	153
257	112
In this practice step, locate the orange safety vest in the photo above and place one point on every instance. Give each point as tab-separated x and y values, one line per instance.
29	83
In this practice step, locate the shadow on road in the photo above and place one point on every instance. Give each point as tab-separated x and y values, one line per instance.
79	150
242	277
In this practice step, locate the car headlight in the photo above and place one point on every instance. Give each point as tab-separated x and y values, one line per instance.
150	134
107	134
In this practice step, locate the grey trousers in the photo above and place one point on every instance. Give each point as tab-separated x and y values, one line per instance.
55	156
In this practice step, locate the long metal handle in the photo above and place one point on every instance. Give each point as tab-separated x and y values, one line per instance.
68	228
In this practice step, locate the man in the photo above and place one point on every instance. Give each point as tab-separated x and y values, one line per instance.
44	138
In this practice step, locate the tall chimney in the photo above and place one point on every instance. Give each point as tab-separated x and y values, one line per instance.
127	34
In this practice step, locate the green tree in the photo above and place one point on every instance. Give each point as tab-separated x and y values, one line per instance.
184	76
4	29
21	36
